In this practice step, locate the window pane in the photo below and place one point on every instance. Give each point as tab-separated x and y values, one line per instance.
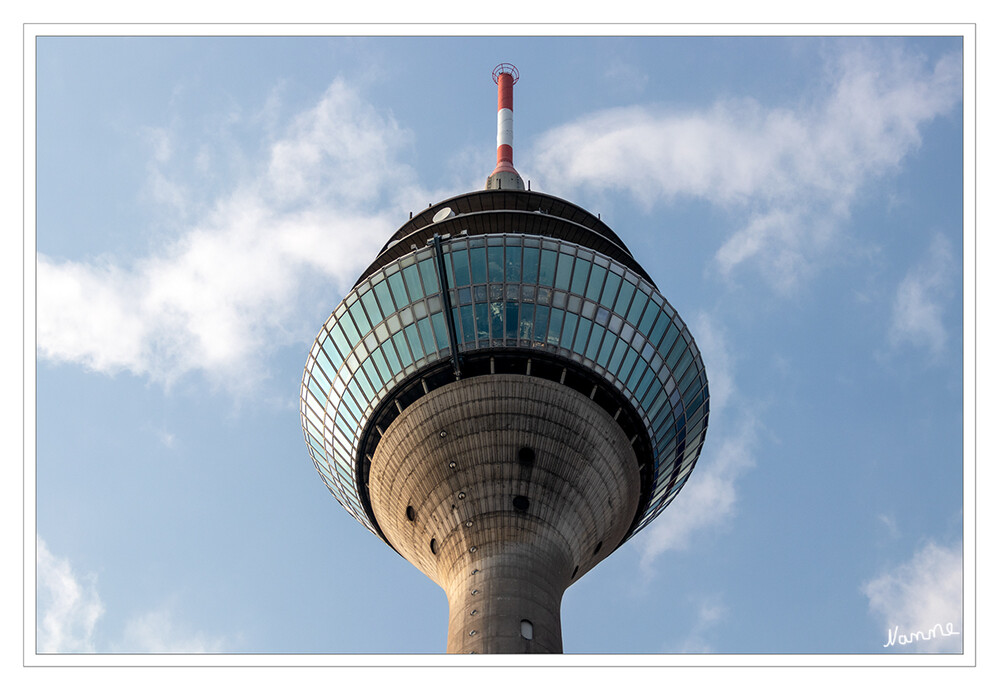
413	338
579	275
467	324
374	313
594	345
358	313
564	272
541	323
496	311
413	282
512	319
513	263
440	330
546	273
461	274
398	289
596	283
555	326
384	298
495	258
582	333
610	291
478	255
531	264
526	321
621	305
482	322
429	274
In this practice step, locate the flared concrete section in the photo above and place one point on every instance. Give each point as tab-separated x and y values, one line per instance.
504	490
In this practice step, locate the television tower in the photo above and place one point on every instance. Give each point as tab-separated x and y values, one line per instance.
504	398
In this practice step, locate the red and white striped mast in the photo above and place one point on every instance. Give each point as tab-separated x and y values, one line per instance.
505	176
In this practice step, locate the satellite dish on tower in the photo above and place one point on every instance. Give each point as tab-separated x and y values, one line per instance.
443	214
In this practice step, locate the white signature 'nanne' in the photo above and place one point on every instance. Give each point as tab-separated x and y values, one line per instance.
930	634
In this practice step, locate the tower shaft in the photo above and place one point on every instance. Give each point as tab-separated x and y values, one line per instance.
504	489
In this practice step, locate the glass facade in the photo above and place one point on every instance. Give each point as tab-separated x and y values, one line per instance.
517	292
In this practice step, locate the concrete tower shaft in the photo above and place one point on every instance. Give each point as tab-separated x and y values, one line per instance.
504	490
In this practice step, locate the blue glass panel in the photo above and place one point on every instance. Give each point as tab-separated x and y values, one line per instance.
676	353
429	274
596	283
531	255
495	258
624	297
526	321
594	344
412	277
374	373
609	293
629	361
467	324
541	323
555	326
650	314
496	311
603	358
482	322
398	289
579	276
395	366
462	276
635	312
656	334
563	274
643	384
668	340
427	334
478	255
440	330
620	348
582	333
360	319
317	389
374	313
568	330
513	263
546	272
384	298
406	357
512	319
335	358
324	364
413	338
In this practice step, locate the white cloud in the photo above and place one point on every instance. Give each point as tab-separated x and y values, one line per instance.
244	277
158	632
68	606
709	613
919	594
791	175
917	312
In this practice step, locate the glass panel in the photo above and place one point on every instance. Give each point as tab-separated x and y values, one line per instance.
629	361
546	273
482	322
526	321
413	282
610	291
648	317
381	365
568	330
531	264
512	319
555	326
564	272
620	349
579	275
429	274
621	305
594	345
467	324
357	312
596	283
393	359
440	330
384	298
496	311
478	255
495	258
541	323
398	289
427	335
668	340
413	338
400	344
331	353
513	263
635	313
461	273
582	333
605	351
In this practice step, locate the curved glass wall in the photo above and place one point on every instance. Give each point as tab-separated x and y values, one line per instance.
518	292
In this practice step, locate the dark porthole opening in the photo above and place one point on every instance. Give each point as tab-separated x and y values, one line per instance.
433	546
525	456
521	503
596	548
410	513
574	571
527	629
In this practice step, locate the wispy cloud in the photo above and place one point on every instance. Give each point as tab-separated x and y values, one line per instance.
788	176
70	609
68	605
919	594
709	613
918	308
244	277
708	500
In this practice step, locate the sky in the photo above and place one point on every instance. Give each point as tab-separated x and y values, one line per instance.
202	204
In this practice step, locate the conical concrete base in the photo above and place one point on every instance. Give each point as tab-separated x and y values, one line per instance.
504	490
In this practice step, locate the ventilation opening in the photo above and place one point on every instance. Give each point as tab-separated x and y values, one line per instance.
574	571
433	546
521	503
527	629
596	548
410	513
525	456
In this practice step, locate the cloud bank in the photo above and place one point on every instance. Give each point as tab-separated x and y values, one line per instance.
917	595
789	176
68	607
238	281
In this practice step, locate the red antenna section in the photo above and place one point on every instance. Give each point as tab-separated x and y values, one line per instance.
505	176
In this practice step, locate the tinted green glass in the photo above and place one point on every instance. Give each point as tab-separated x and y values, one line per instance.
429	274
495	259
357	311
579	276
385	302
512	319
440	330
531	255
461	273
624	297
412	277
541	323
371	305
526	321
564	272
596	283
555	326
482	322
582	333
402	347
413	338
467	324
398	289
609	293
478	255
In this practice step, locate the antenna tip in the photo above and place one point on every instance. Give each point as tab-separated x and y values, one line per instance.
505	68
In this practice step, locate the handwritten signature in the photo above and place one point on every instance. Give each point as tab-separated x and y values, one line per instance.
937	630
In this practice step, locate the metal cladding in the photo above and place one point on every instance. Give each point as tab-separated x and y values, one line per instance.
504	397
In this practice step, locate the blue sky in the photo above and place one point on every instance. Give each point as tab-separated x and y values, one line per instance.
203	203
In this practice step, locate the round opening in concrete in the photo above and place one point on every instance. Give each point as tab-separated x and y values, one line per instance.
525	456
521	503
433	546
596	549
410	513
